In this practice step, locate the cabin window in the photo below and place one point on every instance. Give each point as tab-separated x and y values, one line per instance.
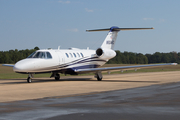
78	55
71	54
67	55
74	54
82	55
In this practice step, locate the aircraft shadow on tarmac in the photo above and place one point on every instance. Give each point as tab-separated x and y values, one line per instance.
38	80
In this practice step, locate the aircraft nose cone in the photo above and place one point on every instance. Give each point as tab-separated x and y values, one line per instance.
23	66
15	68
18	67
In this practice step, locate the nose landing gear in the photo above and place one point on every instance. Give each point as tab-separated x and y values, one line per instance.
29	79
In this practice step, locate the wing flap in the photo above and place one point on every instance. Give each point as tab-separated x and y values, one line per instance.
120	67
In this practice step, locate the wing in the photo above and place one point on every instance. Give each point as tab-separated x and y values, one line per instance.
9	65
120	67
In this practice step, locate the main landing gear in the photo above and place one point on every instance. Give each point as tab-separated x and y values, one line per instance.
56	76
98	75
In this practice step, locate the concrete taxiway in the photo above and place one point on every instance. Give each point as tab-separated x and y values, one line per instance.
124	96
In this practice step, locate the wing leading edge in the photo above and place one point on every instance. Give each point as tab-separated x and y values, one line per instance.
120	67
9	65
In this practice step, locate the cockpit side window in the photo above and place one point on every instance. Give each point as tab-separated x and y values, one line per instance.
36	55
48	55
31	56
44	55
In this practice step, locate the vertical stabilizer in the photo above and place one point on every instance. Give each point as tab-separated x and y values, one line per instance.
110	40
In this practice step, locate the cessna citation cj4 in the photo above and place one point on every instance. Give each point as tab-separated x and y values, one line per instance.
74	61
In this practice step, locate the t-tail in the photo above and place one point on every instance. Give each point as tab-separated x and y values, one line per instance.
110	39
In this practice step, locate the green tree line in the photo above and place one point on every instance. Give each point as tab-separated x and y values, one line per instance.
172	57
12	56
139	58
128	58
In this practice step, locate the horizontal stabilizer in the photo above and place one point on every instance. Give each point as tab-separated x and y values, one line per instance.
118	29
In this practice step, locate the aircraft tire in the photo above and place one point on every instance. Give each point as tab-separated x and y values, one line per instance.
57	77
99	79
29	80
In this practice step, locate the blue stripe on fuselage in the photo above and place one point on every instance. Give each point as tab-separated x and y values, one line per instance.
72	70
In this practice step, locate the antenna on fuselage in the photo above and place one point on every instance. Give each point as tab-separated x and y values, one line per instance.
59	47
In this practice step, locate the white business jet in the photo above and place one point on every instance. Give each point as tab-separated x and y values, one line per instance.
74	61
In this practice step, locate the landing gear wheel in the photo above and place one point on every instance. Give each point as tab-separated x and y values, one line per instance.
98	78
57	77
29	80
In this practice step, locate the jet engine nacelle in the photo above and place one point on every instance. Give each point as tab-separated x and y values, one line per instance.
105	53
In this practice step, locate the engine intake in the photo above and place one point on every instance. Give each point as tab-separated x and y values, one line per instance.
99	52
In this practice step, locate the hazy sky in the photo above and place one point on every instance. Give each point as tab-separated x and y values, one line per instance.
25	24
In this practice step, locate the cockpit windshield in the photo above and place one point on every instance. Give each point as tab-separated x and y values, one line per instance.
43	55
